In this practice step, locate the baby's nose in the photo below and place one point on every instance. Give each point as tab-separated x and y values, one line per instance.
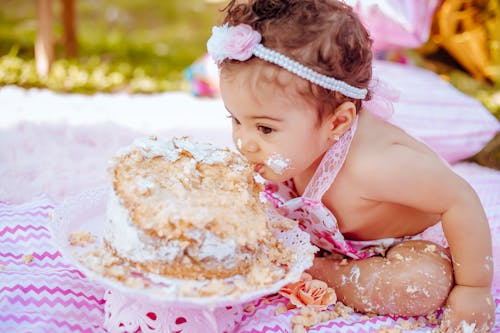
247	146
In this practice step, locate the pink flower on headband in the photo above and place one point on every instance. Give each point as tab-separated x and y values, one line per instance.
235	42
240	42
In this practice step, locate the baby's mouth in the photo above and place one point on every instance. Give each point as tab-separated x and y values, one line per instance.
258	167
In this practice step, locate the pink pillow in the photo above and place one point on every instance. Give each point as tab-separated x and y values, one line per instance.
455	125
396	24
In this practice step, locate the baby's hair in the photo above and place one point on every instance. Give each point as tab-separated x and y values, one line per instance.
324	35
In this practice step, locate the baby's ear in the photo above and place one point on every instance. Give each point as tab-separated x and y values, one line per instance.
341	120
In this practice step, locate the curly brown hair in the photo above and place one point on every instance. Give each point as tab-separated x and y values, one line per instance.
324	35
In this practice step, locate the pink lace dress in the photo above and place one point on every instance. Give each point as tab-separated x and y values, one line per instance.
316	219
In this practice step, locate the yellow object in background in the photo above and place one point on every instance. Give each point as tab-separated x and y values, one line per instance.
470	31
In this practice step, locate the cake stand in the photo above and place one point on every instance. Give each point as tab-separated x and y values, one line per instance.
160	307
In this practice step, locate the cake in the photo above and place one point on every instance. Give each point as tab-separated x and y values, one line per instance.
188	210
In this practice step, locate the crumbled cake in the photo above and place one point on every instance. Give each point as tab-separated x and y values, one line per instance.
388	330
81	238
27	258
191	211
309	316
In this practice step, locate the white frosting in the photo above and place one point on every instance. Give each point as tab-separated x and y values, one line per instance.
466	327
151	147
128	241
213	247
355	273
239	144
171	149
277	163
131	243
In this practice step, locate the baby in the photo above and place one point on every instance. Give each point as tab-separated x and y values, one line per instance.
296	78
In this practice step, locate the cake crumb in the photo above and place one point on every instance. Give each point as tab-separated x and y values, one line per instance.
81	238
299	329
343	310
216	287
411	289
135	282
343	262
410	325
432	318
309	316
430	248
249	308
467	328
27	258
367	316
399	256
282	223
280	309
259	275
188	288
388	330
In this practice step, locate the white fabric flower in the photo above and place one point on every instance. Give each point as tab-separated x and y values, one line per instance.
235	42
216	43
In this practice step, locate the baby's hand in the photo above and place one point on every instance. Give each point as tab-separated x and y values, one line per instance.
469	308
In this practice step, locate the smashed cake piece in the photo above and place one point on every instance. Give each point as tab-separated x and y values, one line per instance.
187	210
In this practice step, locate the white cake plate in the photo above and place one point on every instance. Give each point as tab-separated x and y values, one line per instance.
161	307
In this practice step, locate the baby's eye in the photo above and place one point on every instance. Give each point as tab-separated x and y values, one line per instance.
265	129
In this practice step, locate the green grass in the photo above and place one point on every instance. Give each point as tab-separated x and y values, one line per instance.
131	45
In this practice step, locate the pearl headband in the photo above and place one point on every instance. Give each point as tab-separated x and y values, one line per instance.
240	42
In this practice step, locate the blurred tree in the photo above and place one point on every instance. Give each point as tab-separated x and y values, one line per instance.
123	45
45	36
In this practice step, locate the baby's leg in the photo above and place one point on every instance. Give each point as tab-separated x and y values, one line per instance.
414	278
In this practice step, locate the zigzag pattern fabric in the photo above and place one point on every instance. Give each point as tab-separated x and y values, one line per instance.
40	292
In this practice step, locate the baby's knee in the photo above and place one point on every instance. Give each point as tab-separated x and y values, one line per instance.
423	277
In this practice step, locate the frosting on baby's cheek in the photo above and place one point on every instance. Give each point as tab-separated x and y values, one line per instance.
278	163
239	144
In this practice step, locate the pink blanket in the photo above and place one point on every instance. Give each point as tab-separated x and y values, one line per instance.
40	292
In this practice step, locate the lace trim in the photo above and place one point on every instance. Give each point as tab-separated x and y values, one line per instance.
330	165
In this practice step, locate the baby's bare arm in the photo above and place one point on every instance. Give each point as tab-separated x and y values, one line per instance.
470	303
420	180
414	278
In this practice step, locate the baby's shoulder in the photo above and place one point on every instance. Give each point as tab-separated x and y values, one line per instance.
389	152
368	148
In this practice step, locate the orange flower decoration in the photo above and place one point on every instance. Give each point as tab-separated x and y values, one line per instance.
308	292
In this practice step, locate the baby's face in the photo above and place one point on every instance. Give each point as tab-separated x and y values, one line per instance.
276	130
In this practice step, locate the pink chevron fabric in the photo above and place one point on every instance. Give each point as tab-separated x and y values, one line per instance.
40	292
46	294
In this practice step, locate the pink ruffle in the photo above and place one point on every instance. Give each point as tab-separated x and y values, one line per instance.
383	97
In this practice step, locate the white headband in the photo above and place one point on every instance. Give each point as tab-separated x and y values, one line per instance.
241	42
